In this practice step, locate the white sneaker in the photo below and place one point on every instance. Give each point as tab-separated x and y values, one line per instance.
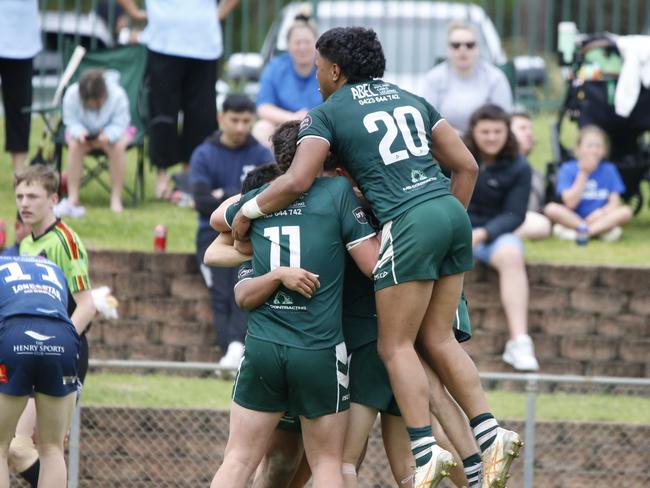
431	474
564	233
233	355
613	234
520	353
65	208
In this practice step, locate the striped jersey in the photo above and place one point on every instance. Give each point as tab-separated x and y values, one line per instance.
61	245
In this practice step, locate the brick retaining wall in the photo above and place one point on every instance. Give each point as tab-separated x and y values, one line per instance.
584	320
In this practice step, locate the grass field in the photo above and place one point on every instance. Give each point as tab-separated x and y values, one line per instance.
133	230
163	391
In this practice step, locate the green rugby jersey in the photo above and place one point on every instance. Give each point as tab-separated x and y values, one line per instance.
382	135
312	233
359	310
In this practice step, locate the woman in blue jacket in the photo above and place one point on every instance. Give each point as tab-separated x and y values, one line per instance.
497	208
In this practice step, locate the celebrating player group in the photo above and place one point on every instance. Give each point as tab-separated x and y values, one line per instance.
323	355
352	250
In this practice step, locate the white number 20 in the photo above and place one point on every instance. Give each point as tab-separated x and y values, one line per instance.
394	122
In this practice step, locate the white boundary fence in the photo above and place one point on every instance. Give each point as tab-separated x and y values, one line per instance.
531	383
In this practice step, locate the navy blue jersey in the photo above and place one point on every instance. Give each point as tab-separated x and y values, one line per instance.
32	286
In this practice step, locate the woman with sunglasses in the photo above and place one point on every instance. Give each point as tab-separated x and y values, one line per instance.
463	83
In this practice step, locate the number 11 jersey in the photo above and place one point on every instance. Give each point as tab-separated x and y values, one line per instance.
382	135
312	233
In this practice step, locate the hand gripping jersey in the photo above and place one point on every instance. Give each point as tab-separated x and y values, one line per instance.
32	286
382	135
312	233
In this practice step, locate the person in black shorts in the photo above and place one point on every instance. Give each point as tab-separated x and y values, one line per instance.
36	194
390	140
39	351
20	42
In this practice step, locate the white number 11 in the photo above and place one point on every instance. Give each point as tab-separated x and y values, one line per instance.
273	233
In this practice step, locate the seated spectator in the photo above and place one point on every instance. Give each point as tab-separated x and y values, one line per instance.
217	168
21	230
96	118
536	225
590	190
463	83
288	88
497	208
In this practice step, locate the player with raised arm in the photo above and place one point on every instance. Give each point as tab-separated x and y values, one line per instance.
370	391
39	349
387	138
36	189
295	358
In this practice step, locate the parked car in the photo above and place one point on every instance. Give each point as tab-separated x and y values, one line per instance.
413	34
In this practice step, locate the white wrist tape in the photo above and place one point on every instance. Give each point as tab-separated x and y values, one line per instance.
349	469
252	210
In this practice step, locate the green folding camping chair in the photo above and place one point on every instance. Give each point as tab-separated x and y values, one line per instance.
130	63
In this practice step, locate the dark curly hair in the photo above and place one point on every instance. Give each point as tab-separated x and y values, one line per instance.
356	50
284	143
510	149
331	163
260	176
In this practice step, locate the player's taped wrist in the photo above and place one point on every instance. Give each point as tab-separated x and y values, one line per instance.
251	209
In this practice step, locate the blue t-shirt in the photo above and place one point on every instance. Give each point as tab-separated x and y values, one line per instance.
32	286
225	167
283	87
604	181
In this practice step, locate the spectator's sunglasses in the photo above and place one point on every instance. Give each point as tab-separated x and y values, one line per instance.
457	45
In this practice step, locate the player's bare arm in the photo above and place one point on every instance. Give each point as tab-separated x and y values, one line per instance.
365	254
306	165
218	217
452	153
85	310
253	292
223	254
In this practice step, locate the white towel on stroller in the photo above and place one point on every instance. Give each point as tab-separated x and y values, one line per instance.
635	71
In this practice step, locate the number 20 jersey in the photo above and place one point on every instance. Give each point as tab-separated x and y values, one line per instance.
312	233
382	135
